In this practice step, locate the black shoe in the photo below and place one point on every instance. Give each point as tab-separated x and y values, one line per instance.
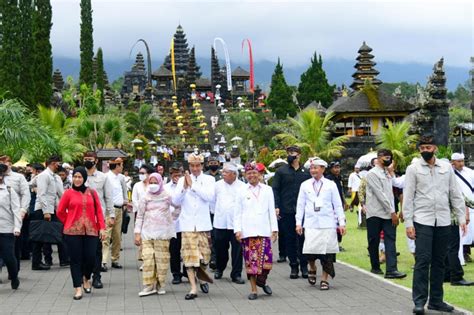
267	289
77	297
204	287
395	275
104	268
15	283
190	296
97	283
176	279
419	310
40	267
253	296
48	263
341	249
25	258
238	280
116	265
87	290
64	264
294	272
281	259
443	307
462	282
376	271
217	275
212	265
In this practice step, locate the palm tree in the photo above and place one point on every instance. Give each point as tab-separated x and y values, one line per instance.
311	133
19	131
64	135
396	138
143	122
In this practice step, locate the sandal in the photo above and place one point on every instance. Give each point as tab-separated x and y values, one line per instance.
312	277
324	285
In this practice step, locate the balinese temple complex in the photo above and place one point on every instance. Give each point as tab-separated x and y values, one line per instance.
187	73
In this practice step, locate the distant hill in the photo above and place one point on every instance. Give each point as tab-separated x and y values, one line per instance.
339	71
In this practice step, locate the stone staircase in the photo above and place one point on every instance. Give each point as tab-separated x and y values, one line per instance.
208	110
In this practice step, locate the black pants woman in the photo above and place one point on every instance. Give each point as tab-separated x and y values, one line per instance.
81	213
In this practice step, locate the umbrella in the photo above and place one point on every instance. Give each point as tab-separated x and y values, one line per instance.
364	160
236	138
21	163
276	162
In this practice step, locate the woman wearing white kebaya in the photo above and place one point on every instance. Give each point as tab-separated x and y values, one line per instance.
319	206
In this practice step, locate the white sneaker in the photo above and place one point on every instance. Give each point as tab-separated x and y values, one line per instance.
161	291
148	290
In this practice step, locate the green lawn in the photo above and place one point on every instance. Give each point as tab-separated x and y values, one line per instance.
355	244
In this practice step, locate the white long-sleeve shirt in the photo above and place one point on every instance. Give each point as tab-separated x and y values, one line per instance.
226	201
195	203
48	192
170	188
138	192
354	181
10	218
19	184
255	215
329	203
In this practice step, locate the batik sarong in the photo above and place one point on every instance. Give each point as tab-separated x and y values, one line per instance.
258	257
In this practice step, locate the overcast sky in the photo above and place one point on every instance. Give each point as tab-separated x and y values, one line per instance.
400	31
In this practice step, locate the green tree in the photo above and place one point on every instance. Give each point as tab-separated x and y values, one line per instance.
42	52
61	130
86	74
396	138
314	85
20	131
10	47
99	78
312	133
408	90
26	92
280	98
143	122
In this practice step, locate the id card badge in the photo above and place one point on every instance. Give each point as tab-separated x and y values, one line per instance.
318	204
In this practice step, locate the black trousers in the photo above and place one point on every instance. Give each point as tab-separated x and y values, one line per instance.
175	256
293	242
7	253
47	249
224	238
374	226
454	271
213	248
25	246
281	240
83	251
431	248
98	261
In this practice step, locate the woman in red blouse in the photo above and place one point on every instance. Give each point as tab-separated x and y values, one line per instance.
81	213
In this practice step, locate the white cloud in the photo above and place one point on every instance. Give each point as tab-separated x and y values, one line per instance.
402	31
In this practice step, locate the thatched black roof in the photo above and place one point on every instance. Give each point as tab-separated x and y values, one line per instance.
111	154
380	102
162	72
239	72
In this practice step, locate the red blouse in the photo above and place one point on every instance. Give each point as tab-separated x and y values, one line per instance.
79	214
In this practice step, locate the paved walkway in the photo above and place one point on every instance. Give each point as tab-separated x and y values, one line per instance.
352	292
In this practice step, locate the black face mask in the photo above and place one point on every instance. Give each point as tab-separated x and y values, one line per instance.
213	167
426	155
291	158
89	164
387	163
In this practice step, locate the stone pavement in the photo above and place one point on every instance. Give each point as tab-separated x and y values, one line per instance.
352	292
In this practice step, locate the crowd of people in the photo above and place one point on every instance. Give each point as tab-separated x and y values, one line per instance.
190	220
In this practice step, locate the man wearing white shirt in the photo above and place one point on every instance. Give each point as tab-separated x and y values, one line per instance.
114	230
319	206
256	226
353	185
194	193
227	190
176	172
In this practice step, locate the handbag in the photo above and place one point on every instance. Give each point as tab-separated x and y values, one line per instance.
46	231
125	221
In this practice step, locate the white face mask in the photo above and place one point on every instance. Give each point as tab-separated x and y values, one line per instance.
141	177
154	188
